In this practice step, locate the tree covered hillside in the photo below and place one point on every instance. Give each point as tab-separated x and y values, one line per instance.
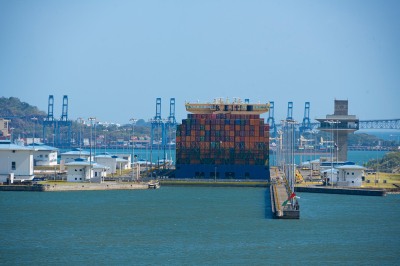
389	163
20	114
13	107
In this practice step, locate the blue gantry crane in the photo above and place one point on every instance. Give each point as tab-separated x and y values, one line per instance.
271	119
61	129
306	124
49	122
290	111
156	124
161	128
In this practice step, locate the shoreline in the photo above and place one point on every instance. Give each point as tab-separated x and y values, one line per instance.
155	184
80	186
213	183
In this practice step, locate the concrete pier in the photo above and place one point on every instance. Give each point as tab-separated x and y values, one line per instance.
80	186
342	190
279	194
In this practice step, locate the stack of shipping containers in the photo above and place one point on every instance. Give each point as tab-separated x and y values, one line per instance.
224	146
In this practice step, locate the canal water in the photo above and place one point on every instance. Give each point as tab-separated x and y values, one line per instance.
194	226
358	157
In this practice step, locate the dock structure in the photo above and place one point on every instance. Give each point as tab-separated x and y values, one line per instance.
283	202
283	177
81	186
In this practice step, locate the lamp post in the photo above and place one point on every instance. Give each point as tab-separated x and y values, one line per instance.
133	121
95	138
330	125
34	130
292	159
105	140
11	134
331	122
164	141
80	120
279	153
337	122
91	119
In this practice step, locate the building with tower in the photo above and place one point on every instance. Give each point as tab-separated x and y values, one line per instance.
340	124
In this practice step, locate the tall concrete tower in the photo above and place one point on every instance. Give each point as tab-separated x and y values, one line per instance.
340	124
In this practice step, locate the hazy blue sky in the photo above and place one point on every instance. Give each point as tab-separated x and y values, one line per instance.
114	58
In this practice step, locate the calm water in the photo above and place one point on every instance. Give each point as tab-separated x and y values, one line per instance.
359	157
194	226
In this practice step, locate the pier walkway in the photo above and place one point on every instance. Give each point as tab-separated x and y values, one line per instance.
282	207
81	186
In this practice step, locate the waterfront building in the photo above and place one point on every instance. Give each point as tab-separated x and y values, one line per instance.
223	140
44	155
81	170
127	157
329	176
346	175
113	162
340	124
16	161
313	166
71	156
123	164
350	175
107	160
4	130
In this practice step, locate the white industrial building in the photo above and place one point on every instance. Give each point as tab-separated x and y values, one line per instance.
79	171
344	175
44	155
16	161
123	164
350	175
71	156
329	176
114	162
127	157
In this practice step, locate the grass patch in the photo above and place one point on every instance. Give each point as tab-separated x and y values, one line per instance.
383	180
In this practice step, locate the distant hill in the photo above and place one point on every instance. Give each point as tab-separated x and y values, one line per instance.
389	163
20	114
13	107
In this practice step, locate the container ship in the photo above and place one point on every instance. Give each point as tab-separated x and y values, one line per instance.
223	140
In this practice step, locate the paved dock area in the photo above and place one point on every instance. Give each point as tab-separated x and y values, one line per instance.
81	186
280	194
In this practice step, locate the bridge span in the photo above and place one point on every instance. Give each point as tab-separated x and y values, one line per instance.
363	124
380	124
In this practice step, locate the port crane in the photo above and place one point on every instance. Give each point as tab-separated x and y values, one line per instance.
304	142
61	129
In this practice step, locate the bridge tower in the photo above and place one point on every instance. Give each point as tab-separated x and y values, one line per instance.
340	124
